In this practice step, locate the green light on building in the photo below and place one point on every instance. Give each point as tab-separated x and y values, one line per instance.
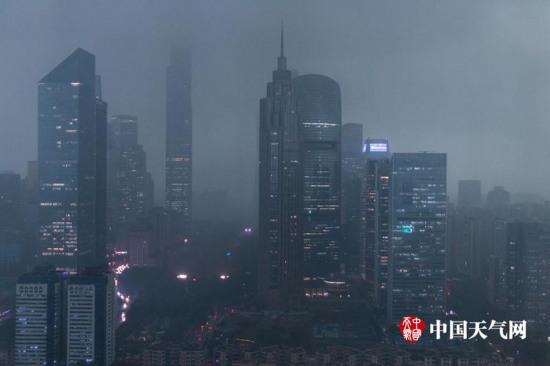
407	229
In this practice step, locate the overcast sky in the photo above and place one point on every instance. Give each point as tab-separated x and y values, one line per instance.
469	78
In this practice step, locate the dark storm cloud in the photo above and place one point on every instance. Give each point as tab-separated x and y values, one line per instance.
467	78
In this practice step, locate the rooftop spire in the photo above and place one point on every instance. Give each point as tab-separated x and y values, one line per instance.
281	61
282	40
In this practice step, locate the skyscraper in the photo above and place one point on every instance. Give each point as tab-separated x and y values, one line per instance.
38	318
90	336
129	183
279	275
418	236
352	157
376	210
72	165
179	137
318	108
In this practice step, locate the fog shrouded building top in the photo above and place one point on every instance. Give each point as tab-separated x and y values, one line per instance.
179	137
418	236
72	165
469	193
130	185
318	108
279	272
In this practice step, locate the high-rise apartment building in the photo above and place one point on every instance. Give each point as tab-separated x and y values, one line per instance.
38	318
376	218
91	311
281	177
72	165
179	138
417	253
318	109
352	157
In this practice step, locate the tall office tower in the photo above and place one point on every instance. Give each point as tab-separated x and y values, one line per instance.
498	198
352	157
318	107
469	193
90	336
129	183
376	218
279	272
418	236
72	165
38	318
179	138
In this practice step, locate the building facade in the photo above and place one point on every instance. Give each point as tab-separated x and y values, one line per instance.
376	218
38	318
179	139
72	165
130	186
318	108
352	157
90	335
417	272
281	177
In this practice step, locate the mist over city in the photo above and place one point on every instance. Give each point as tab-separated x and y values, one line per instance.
274	183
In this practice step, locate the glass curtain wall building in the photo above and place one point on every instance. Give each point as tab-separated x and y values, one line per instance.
376	200
281	177
72	165
417	275
318	108
179	138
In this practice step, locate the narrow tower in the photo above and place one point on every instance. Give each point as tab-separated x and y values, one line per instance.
179	137
279	282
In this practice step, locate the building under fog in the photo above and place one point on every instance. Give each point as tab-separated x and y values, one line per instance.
179	139
319	111
281	197
417	252
72	165
352	167
376	217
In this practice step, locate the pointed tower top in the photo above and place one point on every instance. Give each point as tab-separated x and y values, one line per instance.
79	66
281	61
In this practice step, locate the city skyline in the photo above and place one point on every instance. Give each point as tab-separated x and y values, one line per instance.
284	231
406	50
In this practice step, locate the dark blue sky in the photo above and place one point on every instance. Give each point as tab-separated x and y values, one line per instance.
463	77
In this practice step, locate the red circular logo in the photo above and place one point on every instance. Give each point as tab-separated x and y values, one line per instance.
411	328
